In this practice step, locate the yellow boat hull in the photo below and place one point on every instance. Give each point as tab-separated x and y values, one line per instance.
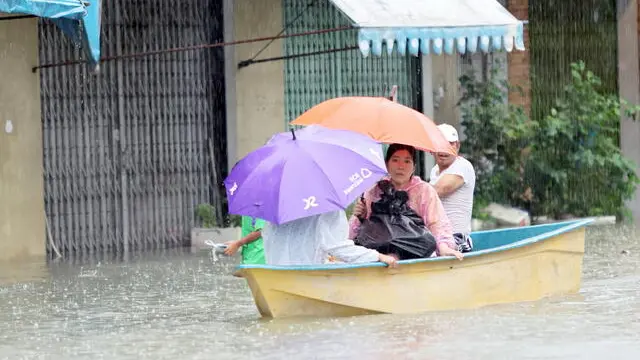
526	270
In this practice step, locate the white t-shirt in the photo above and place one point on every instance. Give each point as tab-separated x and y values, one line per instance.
458	205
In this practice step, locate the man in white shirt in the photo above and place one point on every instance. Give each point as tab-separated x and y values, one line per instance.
455	179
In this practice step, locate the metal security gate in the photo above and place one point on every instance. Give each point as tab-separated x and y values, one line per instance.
129	152
563	32
312	79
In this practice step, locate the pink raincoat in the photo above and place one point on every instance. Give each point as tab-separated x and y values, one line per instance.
424	200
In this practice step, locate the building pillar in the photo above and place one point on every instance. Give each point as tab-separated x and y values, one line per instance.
259	88
629	86
22	225
519	61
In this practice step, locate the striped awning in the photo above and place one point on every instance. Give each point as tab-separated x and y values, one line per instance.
433	26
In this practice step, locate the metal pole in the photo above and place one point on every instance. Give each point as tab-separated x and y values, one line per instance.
393	94
188	48
121	138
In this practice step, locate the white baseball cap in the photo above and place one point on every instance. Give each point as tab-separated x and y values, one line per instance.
450	133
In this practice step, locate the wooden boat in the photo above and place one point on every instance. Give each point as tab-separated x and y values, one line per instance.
507	265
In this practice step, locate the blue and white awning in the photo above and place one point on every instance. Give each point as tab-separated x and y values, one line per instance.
433	26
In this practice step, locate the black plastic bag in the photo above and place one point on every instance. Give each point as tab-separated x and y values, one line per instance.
394	228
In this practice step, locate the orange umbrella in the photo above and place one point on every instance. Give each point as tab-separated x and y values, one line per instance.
381	119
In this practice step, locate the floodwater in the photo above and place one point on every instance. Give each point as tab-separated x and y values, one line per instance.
181	305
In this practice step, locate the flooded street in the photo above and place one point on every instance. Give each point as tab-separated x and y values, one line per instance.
180	305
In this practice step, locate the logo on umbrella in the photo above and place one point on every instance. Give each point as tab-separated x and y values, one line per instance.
310	202
376	153
366	173
357	179
233	188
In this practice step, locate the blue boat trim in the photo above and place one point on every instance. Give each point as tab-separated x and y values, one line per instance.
437	40
560	228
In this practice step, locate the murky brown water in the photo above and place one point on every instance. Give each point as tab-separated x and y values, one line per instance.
180	305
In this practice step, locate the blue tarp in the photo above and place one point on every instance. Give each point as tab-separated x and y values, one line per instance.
81	24
87	31
52	9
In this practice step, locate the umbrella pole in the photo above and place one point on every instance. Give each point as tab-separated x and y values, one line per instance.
393	94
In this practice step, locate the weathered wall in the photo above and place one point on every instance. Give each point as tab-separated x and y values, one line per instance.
519	74
22	228
256	103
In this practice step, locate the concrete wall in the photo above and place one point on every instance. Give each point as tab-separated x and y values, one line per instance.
428	104
629	84
22	229
255	93
446	70
440	93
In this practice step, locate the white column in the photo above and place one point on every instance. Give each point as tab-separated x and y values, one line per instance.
427	104
230	68
629	86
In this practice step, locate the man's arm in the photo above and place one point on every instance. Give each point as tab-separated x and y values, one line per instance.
251	237
233	246
448	184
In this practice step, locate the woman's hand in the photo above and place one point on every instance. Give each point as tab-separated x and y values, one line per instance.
360	209
391	261
445	250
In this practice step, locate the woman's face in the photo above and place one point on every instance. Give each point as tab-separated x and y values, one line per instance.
400	167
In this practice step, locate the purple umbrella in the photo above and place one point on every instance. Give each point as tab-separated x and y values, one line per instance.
307	172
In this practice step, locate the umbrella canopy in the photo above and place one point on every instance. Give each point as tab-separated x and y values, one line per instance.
379	118
303	173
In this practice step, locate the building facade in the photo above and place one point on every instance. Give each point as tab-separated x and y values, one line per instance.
117	161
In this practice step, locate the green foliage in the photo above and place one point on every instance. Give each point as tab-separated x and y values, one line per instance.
568	162
576	155
206	215
496	138
235	220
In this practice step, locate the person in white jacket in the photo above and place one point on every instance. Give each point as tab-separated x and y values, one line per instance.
311	240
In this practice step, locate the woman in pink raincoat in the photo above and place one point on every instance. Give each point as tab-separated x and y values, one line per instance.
423	199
